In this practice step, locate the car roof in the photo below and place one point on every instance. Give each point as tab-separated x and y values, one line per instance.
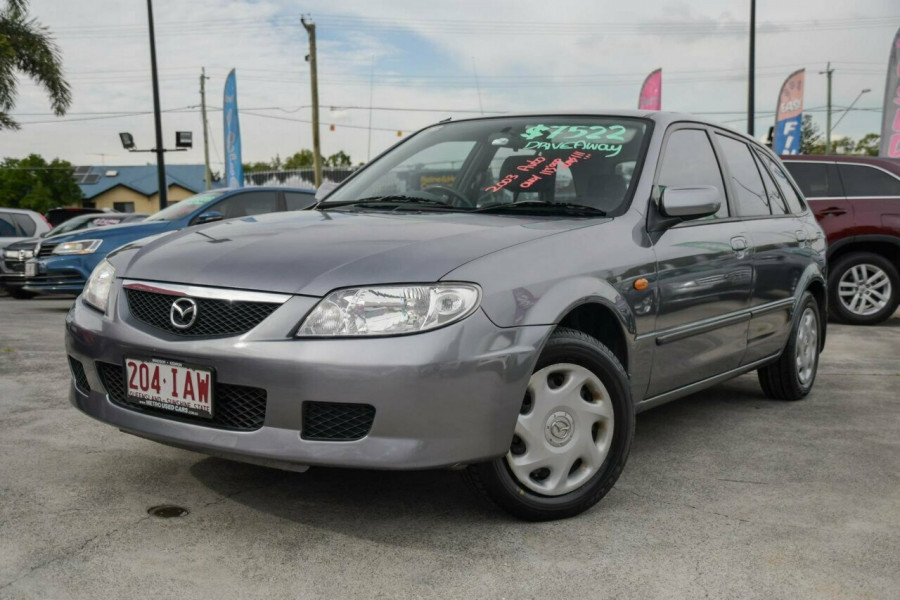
662	117
21	211
889	164
264	188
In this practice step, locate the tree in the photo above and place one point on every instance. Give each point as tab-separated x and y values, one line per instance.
299	160
257	166
341	159
811	139
868	145
35	184
27	47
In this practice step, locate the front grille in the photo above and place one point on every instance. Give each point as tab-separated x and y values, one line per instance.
47	248
81	381
336	422
214	317
235	407
14	266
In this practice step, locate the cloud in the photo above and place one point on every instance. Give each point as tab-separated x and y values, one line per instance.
503	56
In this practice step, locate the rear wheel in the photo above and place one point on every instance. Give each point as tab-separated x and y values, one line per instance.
572	435
792	376
864	289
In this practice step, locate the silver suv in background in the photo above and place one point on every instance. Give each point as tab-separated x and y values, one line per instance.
17	224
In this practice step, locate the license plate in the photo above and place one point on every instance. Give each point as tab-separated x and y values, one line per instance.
31	269
170	385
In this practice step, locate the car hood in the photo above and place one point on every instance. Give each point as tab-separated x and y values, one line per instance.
124	232
314	252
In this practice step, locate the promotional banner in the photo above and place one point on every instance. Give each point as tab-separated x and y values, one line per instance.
890	125
234	170
789	114
651	92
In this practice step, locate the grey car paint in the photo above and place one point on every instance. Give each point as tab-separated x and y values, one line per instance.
712	311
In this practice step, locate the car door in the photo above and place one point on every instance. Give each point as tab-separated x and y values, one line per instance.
874	194
704	275
780	243
821	185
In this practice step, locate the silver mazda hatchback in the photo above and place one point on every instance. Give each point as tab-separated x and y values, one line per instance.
498	295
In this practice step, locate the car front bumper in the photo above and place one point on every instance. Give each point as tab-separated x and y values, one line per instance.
59	275
441	398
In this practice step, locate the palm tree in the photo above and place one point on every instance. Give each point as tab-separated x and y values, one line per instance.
27	47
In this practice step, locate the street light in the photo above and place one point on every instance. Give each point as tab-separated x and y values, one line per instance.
844	114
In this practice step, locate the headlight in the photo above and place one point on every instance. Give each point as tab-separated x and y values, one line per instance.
96	291
79	247
390	310
14	254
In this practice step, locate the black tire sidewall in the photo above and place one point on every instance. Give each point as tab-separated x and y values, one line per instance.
568	347
840	268
790	351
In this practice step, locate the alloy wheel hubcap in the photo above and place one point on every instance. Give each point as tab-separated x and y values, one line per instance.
564	430
807	346
864	289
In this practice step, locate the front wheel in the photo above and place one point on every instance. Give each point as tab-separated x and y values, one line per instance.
572	435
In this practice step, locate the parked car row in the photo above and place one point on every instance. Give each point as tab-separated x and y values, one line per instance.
61	261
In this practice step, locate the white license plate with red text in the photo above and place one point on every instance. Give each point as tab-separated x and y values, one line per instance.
170	385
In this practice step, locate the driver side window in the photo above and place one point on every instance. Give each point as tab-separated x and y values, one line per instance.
689	160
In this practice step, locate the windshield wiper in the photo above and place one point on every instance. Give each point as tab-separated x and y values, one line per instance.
568	207
389	199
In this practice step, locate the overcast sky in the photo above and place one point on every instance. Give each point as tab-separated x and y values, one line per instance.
437	58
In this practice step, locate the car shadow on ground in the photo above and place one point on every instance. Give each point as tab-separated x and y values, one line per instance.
389	506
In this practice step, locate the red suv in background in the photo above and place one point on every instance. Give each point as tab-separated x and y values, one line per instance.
857	202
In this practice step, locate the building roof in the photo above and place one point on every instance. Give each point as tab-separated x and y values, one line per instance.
94	181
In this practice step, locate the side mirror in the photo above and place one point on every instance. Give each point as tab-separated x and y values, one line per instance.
209	217
690	202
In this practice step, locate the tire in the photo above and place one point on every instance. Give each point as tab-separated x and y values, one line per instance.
578	414
20	294
792	376
870	304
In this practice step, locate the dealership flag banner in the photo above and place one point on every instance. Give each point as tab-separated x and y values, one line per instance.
651	92
890	125
789	114
234	170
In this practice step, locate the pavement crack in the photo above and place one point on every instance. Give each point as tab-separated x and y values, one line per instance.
684	504
72	551
742	481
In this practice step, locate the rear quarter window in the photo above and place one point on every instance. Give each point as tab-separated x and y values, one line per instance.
790	195
816	180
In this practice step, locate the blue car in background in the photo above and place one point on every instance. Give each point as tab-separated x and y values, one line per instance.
63	264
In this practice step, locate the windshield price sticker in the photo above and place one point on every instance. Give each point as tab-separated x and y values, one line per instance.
534	164
576	137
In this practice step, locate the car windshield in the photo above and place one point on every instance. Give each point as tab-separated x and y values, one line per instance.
548	164
79	222
183	208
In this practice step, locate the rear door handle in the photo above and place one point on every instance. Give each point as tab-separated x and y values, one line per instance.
801	234
833	211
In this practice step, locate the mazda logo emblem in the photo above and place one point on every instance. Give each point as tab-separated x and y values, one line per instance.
183	313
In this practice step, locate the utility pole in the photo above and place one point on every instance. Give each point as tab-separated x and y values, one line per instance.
751	92
160	151
827	72
203	79
314	81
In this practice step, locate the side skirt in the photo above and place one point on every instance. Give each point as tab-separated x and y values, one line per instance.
705	383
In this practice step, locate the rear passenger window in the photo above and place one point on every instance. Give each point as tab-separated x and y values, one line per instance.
298	201
795	204
861	180
26	225
816	180
247	204
776	201
689	161
745	179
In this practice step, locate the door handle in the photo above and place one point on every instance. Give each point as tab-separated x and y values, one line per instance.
833	211
801	234
739	245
